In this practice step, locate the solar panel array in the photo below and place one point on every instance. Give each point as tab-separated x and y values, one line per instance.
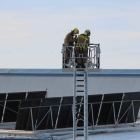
9	103
52	113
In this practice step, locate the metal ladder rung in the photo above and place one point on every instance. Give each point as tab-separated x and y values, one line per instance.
80	78
80	88
80	85
80	91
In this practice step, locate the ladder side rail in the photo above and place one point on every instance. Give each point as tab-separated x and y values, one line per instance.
74	101
86	103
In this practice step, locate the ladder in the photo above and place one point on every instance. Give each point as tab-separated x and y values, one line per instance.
80	88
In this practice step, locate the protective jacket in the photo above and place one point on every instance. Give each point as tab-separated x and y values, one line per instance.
82	49
69	39
82	38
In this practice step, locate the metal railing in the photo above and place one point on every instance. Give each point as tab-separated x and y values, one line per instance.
116	117
93	55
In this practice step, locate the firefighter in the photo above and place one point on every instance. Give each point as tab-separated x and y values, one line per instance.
70	38
82	49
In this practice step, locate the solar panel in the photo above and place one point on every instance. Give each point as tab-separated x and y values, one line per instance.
63	120
106	114
24	115
9	103
93	108
11	111
41	123
16	96
54	113
1	109
2	96
132	96
36	94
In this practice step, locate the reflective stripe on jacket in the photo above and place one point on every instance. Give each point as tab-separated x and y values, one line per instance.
82	38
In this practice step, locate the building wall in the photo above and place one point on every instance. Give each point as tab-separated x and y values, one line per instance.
63	85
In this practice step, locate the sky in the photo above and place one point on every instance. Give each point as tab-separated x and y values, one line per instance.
32	31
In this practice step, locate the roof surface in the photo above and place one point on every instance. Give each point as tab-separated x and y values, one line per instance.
103	72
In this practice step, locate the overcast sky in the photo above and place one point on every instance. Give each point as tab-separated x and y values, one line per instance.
32	31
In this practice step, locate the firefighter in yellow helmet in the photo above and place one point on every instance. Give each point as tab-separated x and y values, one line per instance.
82	49
70	38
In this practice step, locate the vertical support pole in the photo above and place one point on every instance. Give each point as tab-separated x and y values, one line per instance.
51	117
114	113
3	113
26	95
46	93
109	114
74	101
32	119
119	110
58	113
92	116
100	110
70	113
128	114
133	113
86	103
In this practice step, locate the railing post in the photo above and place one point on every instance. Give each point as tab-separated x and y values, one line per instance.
3	113
100	110
92	116
114	113
58	113
119	110
51	117
133	113
32	119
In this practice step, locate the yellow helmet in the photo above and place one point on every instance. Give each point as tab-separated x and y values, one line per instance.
76	31
88	32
